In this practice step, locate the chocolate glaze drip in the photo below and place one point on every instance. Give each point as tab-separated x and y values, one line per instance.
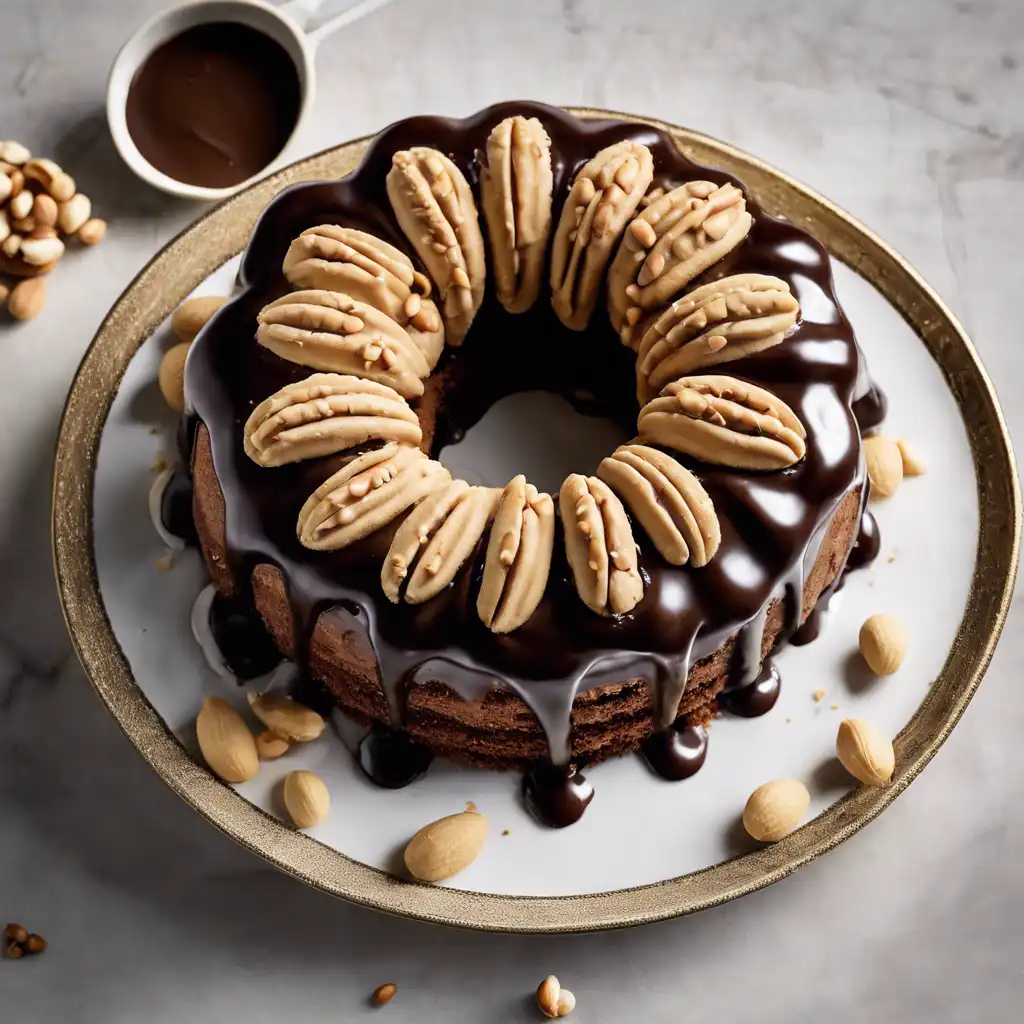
867	545
556	796
757	697
677	752
392	758
242	638
869	409
176	507
771	523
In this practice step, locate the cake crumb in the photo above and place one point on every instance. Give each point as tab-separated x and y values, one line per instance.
471	807
505	832
154	431
891	558
818	695
165	563
834	707
788	720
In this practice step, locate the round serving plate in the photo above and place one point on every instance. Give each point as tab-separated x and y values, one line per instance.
645	851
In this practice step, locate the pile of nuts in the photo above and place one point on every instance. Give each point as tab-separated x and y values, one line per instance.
18	941
40	209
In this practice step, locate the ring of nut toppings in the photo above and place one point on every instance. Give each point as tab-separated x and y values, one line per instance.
362	316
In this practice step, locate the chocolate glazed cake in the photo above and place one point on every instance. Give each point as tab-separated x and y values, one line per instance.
503	627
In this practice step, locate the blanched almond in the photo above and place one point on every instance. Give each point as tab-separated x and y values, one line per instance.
27	299
775	809
306	798
883	642
74	213
444	847
226	742
286	717
912	464
865	752
172	376
93	231
885	466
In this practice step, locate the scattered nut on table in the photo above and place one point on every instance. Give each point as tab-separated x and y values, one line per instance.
18	941
384	993
40	211
553	1000
883	643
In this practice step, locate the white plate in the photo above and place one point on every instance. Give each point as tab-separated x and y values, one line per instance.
639	829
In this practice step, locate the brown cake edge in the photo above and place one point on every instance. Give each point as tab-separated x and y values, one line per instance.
500	731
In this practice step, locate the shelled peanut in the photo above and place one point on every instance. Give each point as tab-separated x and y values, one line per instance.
41	210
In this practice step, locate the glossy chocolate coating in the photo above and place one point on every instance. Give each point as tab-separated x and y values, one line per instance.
770	522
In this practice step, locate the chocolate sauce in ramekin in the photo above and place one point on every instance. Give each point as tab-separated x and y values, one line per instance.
214	105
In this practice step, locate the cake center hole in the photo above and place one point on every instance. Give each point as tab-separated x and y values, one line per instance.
537	433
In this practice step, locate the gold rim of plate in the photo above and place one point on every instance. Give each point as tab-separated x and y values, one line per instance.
224	232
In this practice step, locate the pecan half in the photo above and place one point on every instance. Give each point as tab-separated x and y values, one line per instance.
334	332
371	491
720	322
324	414
515	192
675	238
369	270
726	422
518	557
435	208
435	540
668	501
599	546
603	197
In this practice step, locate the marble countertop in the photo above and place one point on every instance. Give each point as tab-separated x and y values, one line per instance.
910	116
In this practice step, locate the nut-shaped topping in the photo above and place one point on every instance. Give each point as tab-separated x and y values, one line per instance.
865	752
334	332
883	642
444	847
306	798
885	465
518	557
668	501
515	192
775	809
717	323
603	197
369	270
194	314
435	540
286	718
225	741
675	238
324	414
371	491
599	546
6	186
726	422
5	229
434	206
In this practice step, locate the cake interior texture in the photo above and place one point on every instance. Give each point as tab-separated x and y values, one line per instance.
568	685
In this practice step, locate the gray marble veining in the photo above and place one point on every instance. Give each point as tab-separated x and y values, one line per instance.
910	116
